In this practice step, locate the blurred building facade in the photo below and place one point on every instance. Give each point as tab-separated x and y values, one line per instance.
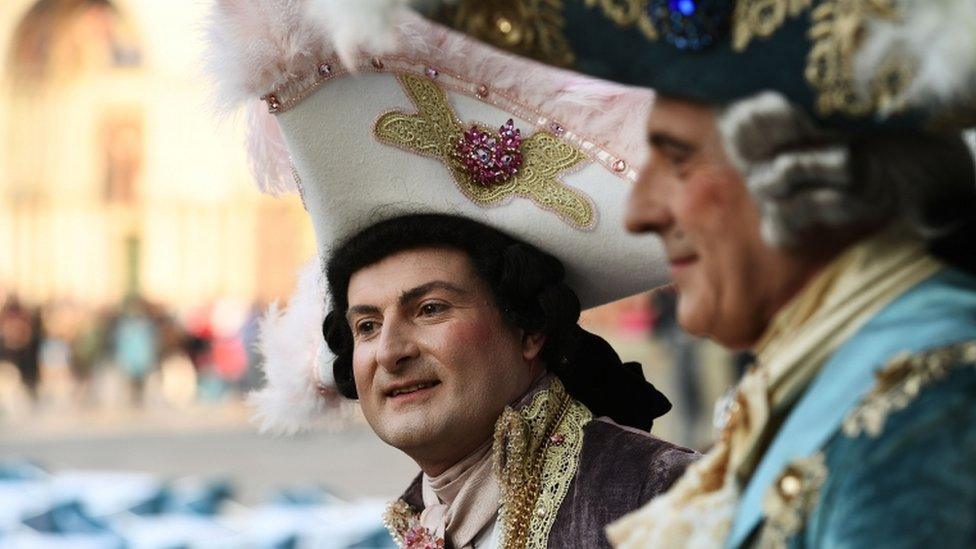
115	175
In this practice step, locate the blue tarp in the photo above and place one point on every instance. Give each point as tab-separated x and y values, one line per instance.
122	510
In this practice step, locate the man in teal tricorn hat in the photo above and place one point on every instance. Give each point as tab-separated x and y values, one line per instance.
811	184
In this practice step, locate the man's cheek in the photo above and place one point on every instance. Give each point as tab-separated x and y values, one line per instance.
362	373
466	333
712	193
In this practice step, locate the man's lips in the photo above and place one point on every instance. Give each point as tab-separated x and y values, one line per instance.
412	387
682	261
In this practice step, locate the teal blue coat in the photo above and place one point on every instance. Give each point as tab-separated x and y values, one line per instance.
880	451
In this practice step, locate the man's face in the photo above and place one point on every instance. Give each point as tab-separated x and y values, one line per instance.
433	360
729	280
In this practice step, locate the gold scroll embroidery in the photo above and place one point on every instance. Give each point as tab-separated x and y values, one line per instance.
435	130
790	499
531	28
750	18
536	453
901	381
627	13
837	26
761	18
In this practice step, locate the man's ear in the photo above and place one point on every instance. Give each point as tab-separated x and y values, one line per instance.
532	344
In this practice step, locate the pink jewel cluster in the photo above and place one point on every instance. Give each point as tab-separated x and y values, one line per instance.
418	537
491	159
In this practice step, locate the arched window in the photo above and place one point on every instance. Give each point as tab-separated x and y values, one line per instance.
67	55
61	38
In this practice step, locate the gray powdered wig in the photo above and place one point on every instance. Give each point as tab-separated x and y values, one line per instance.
811	183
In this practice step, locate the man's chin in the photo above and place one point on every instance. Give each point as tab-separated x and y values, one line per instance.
407	430
690	317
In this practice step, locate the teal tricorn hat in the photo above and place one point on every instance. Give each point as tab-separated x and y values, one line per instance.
852	64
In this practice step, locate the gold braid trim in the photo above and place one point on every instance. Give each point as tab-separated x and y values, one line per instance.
836	30
750	18
627	13
762	18
901	381
790	499
536	454
531	28
434	131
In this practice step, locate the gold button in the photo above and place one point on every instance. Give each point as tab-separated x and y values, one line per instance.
969	353
504	25
540	511
790	485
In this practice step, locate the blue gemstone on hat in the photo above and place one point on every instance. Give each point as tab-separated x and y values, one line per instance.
691	24
684	7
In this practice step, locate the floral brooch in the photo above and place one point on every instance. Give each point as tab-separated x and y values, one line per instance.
491	159
418	537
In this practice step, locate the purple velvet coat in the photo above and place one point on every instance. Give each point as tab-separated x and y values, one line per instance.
620	469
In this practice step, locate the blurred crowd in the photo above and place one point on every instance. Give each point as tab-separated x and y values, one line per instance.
62	355
62	352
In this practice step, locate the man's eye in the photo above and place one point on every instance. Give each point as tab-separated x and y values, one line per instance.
676	156
428	309
365	327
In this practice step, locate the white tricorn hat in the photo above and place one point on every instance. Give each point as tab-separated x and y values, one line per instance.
421	119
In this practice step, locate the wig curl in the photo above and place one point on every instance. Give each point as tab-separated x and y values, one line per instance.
816	185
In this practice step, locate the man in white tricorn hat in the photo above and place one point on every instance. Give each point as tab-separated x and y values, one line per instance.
467	205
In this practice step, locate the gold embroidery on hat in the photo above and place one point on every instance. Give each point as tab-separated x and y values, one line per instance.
434	131
837	28
761	18
790	499
536	453
627	13
900	382
532	28
750	18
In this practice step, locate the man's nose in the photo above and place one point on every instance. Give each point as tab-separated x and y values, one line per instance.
397	345
646	209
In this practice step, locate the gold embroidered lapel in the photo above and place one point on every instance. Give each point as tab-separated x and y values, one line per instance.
536	454
901	381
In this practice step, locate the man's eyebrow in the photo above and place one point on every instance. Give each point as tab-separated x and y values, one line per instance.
361	310
407	296
418	292
659	139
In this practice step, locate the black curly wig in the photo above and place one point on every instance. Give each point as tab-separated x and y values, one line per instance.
525	282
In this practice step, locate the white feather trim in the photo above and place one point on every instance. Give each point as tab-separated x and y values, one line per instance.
938	35
267	153
290	344
356	25
254	46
